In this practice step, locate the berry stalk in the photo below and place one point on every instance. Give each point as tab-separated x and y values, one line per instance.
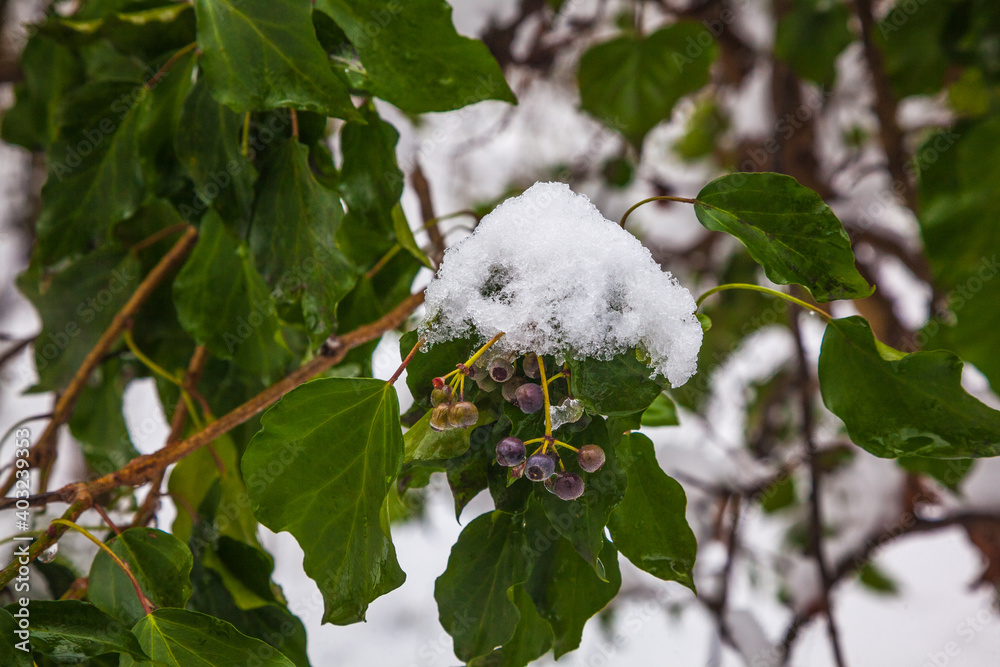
545	394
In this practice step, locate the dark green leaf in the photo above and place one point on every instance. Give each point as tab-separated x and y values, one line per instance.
787	229
422	443
182	638
659	542
532	638
948	472
76	306
877	581
811	36
618	386
912	44
320	468
431	363
404	236
224	304
662	412
779	495
897	404
146	33
72	631
413	56
565	588
209	150
295	223
10	654
263	54
160	563
632	83
469	473
473	593
98	423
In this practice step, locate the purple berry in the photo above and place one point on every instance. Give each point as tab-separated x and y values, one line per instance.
509	389
439	418
510	452
529	398
462	414
591	458
539	467
568	485
501	370
530	365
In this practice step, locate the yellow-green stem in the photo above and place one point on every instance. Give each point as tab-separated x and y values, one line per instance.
683	200
765	290
545	394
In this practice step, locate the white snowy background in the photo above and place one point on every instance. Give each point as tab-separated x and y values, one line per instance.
472	155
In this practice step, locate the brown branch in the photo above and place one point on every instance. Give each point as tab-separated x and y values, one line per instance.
423	190
891	135
143	469
43	452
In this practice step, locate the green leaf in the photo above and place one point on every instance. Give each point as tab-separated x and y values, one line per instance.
582	521
912	44
9	653
209	150
632	83
896	404
320	468
146	33
98	423
76	306
422	443
948	472
659	542
224	304
618	386
72	631
779	495
263	54
414	57
473	598
662	412
431	363
811	36
182	638
876	581
404	236
787	229
295	223
160	563
532	638
566	590
51	71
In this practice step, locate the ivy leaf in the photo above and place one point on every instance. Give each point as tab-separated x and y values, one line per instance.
209	150
582	521
895	404
404	236
422	443
73	631
473	597
948	472
182	638
76	306
336	445
660	542
811	36
632	83
98	423
912	43
431	363
614	387
414	57
532	638
160	563
263	54
224	304
661	412
293	236
9	653
787	229
566	590
146	33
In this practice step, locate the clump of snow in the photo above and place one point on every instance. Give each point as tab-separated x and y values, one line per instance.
558	278
567	412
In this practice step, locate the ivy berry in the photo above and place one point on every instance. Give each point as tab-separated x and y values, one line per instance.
590	458
510	452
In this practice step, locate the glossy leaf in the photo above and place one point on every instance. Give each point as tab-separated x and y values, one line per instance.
223	303
293	236
160	563
263	54
9	653
320	468
413	56
617	386
532	638
787	229
659	542
182	638
473	594
145	33
661	412
422	443
73	631
632	83
895	404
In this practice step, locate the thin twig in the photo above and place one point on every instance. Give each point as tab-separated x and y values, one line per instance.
423	190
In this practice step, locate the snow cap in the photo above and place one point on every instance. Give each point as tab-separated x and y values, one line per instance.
559	279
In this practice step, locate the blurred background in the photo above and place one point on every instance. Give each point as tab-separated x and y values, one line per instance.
890	110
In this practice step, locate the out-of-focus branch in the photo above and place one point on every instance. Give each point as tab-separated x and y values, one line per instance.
423	190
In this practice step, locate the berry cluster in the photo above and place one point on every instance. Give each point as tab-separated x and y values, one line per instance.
541	465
